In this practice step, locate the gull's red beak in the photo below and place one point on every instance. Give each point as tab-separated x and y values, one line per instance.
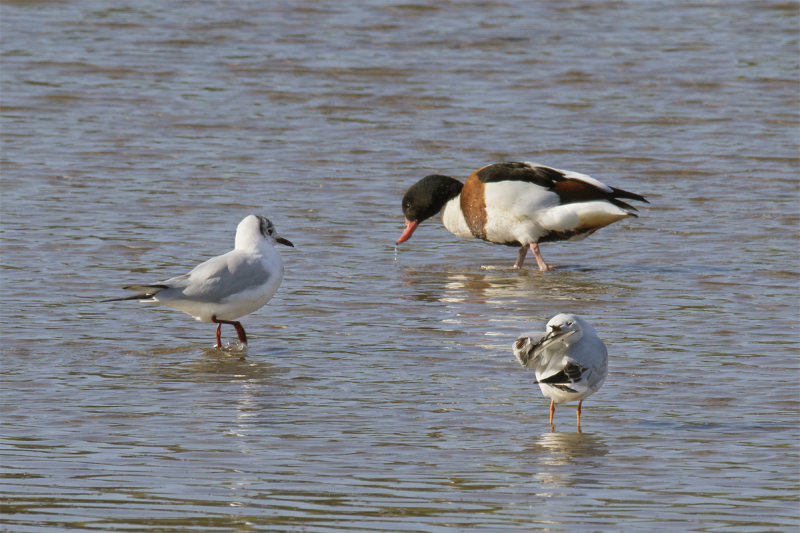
410	227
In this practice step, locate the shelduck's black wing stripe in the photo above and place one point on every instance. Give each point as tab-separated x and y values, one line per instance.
622	193
542	176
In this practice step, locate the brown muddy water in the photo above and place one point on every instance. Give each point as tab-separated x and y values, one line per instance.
379	391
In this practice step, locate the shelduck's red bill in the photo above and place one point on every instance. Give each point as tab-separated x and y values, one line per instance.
410	227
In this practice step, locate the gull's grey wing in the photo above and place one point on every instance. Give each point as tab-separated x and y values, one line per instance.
144	292
525	349
550	339
538	351
217	279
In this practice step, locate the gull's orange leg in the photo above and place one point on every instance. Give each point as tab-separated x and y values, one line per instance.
579	414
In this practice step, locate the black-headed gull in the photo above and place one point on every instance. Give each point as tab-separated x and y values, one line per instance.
517	204
228	286
569	360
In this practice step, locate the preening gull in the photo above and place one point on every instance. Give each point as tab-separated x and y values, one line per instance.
569	360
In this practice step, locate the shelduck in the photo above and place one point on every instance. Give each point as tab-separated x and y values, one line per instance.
518	204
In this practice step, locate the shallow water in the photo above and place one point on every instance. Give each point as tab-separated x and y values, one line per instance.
379	391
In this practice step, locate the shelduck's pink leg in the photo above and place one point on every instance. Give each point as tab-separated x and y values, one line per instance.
544	267
523	250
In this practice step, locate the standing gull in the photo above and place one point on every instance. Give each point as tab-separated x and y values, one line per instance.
518	204
228	286
569	360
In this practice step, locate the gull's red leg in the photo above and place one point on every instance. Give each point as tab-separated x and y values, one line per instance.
219	332
239	330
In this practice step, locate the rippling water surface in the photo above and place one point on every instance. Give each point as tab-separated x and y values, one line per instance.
379	391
